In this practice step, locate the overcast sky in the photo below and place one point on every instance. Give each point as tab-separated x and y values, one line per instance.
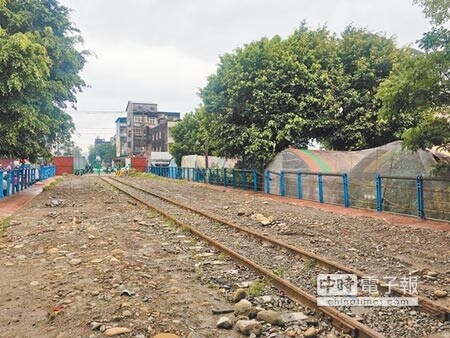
161	51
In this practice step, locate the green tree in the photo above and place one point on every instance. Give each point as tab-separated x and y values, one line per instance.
367	59
276	92
436	10
39	75
106	151
418	90
263	94
191	136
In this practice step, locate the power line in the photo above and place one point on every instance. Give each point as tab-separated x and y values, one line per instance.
95	112
95	128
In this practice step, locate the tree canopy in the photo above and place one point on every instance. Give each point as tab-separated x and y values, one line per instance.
39	76
418	89
105	150
191	135
277	92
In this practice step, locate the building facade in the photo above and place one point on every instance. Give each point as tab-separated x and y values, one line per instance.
121	137
159	138
142	117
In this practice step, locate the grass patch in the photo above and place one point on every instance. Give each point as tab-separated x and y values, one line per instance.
310	264
53	184
171	225
4	224
134	173
256	289
280	272
186	229
212	285
222	257
152	213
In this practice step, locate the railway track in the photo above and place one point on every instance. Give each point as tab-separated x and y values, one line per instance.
289	283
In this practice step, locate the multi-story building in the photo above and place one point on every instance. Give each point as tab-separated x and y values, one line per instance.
140	118
159	138
121	137
98	141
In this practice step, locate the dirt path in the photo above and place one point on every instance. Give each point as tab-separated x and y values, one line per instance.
68	256
82	260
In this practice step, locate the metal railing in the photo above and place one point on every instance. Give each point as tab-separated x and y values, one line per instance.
19	179
235	178
424	197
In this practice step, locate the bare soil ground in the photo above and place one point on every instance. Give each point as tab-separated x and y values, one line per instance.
68	256
82	259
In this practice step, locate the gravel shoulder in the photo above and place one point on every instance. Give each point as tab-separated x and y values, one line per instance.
376	246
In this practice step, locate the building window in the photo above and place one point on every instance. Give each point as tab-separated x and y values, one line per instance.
137	118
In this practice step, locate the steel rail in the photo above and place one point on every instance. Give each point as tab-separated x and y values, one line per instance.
425	304
339	320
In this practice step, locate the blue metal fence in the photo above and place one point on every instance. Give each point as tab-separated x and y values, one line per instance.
18	179
236	178
418	196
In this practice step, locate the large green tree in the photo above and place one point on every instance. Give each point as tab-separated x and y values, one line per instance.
263	94
191	135
39	76
277	92
418	90
366	59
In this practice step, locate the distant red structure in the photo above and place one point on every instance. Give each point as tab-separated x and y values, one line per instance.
5	162
64	164
139	163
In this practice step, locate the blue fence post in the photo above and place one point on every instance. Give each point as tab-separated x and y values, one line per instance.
20	179
233	178
225	178
13	181
217	176
320	183
17	182
1	190
299	186
255	180
378	193
345	190
244	179
8	182
420	201
204	175
267	181
282	184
